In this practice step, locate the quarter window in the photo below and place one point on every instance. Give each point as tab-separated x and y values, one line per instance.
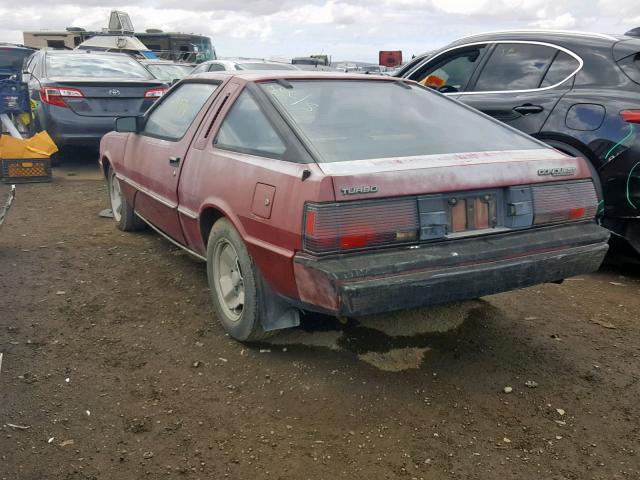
216	67
247	129
515	66
171	118
452	74
563	66
200	69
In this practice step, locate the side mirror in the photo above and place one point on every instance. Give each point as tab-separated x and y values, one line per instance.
129	124
174	81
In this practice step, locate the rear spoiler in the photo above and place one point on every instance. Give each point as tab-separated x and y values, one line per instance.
634	32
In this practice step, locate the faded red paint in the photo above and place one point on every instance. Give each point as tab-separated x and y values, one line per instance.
176	198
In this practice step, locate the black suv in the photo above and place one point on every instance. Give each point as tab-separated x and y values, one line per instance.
578	92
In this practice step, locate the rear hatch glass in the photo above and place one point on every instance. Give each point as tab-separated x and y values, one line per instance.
83	65
358	119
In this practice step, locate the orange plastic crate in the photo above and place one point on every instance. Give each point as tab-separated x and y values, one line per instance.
25	170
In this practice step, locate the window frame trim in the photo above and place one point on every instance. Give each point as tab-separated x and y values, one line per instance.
491	43
157	104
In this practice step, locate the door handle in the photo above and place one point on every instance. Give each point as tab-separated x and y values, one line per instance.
174	161
527	108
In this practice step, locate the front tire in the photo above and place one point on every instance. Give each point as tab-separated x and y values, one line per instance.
123	214
233	282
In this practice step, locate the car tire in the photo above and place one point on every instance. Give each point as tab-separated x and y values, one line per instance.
57	158
234	285
123	213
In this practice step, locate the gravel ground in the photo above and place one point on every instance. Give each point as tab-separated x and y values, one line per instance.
115	367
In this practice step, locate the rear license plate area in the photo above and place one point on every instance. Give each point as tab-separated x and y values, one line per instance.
469	213
458	214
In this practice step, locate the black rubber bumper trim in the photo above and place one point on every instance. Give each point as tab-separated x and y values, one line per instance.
461	283
457	270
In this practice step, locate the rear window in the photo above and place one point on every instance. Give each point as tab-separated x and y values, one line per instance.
13	58
96	66
353	120
264	66
562	67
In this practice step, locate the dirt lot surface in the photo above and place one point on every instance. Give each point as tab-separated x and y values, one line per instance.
115	368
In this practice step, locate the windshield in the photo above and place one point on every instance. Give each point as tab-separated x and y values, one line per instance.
264	66
166	71
353	120
12	58
96	66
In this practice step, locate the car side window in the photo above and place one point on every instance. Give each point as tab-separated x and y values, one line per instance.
515	66
247	129
216	67
37	67
29	63
173	116
200	69
562	67
451	74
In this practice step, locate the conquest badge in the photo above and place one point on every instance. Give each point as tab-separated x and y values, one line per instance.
557	172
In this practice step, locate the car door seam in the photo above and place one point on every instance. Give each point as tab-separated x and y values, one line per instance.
146	191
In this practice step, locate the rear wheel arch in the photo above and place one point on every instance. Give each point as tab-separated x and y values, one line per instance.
106	165
208	217
558	140
575	148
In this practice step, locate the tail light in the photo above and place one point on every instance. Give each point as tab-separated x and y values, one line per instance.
564	202
339	227
155	92
56	95
630	116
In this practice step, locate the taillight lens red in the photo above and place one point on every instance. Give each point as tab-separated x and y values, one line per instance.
155	92
56	95
562	202
630	116
339	227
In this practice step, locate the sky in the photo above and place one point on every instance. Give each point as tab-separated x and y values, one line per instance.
346	29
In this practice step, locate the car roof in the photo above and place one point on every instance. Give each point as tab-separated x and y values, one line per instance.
50	51
13	46
560	37
540	33
158	61
234	61
266	75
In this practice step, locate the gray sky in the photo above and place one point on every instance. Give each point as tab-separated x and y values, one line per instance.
346	29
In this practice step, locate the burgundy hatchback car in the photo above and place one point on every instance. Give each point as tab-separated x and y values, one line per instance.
347	195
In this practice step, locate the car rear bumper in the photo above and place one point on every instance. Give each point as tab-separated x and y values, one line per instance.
448	271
